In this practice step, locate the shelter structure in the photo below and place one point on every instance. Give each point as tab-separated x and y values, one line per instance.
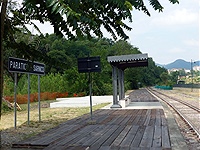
119	64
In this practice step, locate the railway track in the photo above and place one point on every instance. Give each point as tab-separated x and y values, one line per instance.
188	112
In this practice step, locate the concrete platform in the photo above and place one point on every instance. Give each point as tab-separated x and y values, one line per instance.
81	101
140	105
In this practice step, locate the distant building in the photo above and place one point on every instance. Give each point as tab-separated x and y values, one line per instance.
187	71
196	68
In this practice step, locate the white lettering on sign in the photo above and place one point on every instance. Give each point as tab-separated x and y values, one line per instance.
25	66
18	65
38	68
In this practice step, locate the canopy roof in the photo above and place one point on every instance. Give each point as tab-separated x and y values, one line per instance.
127	61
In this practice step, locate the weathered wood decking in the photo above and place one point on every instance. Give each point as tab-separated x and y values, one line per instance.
127	129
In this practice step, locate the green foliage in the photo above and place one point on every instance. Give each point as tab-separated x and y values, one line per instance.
145	76
86	18
165	78
5	108
62	72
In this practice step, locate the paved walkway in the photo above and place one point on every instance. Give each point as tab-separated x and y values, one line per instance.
115	129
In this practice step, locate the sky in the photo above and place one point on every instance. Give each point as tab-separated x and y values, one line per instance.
165	36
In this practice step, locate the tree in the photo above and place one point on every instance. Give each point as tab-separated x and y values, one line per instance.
75	18
80	18
3	15
165	77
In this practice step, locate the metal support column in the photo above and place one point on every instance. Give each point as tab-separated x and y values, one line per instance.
122	81
114	78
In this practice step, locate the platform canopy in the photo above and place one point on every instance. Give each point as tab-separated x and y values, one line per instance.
119	64
127	61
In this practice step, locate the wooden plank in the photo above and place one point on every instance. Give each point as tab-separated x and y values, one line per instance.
82	134
157	139
125	120
89	135
66	139
142	117
163	118
130	112
137	118
158	118
63	147
103	138
104	148
134	114
121	136
101	118
97	135
104	111
163	121
156	148
130	121
43	137
110	140
114	147
153	118
148	116
124	148
43	134
115	120
165	137
129	137
139	148
56	135
147	138
138	137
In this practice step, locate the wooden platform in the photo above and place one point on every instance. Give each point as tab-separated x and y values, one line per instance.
127	129
142	95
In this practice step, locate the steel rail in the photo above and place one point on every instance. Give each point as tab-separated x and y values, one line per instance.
156	94
185	103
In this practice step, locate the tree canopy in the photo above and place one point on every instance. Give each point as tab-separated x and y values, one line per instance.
87	17
73	18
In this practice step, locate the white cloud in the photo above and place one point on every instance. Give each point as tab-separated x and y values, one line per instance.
192	42
176	50
177	17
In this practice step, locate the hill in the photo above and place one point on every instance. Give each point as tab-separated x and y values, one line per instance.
180	64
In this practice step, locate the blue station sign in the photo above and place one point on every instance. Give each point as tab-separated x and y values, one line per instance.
24	66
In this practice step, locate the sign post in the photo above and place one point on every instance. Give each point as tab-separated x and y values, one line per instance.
18	65
89	64
39	108
15	104
28	98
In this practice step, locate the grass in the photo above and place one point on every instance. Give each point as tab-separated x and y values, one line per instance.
184	93
52	116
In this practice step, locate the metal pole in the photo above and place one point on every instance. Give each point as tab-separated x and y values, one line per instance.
28	98
192	76
15	104
39	98
90	85
123	93
114	76
120	84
